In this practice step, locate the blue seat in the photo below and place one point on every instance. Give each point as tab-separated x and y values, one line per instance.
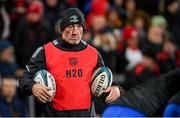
121	111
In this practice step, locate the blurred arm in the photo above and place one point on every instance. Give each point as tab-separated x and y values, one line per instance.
36	63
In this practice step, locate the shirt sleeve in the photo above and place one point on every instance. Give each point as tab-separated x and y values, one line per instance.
100	62
36	63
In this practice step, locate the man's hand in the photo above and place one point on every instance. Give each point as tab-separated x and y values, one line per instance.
41	93
114	93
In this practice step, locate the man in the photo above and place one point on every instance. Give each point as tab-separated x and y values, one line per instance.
31	32
10	105
71	61
8	64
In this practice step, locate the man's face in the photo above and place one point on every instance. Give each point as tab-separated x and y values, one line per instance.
8	88
8	55
72	33
33	17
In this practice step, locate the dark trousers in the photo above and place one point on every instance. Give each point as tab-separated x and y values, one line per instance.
49	111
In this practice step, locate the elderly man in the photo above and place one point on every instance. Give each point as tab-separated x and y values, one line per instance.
73	97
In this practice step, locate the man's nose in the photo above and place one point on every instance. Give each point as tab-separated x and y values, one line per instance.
75	30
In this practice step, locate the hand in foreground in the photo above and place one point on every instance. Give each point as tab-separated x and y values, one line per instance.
114	93
41	92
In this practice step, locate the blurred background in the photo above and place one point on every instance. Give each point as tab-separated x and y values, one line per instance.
138	40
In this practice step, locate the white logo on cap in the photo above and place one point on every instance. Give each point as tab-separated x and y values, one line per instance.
74	18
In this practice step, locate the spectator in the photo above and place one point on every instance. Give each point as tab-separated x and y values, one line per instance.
167	57
132	53
171	10
105	42
98	8
10	106
130	9
7	60
141	23
113	19
121	61
52	11
16	10
153	41
142	72
98	23
160	22
176	28
32	32
118	5
149	6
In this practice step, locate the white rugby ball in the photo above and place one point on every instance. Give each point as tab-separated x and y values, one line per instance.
102	78
45	78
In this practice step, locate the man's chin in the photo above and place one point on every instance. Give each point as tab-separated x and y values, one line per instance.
74	42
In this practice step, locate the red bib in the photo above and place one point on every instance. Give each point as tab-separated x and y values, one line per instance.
72	72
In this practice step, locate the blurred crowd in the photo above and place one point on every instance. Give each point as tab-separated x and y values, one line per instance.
139	39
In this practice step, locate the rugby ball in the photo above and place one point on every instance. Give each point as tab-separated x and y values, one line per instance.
102	78
45	78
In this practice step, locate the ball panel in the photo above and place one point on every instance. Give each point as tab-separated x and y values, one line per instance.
101	79
45	78
38	78
110	76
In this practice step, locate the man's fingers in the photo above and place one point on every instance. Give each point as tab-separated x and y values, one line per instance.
113	95
110	100
47	93
47	88
41	92
43	98
40	100
110	96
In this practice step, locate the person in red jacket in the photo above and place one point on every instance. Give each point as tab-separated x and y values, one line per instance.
71	61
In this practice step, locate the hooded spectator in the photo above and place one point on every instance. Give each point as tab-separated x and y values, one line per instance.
8	65
32	31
